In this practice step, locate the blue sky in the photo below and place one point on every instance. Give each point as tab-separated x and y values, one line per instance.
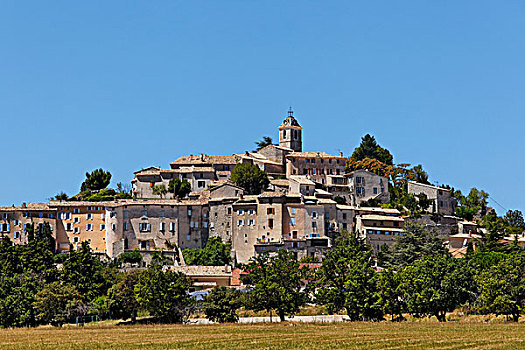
123	85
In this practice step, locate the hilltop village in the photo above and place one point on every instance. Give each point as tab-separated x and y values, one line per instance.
309	200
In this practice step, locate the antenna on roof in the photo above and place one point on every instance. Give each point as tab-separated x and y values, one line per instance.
290	112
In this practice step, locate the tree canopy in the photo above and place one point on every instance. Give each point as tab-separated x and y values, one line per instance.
179	188
266	141
370	149
96	180
214	253
276	283
250	177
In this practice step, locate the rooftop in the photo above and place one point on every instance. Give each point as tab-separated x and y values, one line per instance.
204	159
313	155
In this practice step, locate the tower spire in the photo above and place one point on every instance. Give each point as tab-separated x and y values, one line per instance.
290	112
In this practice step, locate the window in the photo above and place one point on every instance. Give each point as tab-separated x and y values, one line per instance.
89	227
240	222
144	227
125	226
313	161
102	216
201	184
212	224
240	212
314	225
229	211
113	227
191	224
251	212
205	224
143	245
293	211
270	223
294	234
375	190
251	222
76	211
188	237
145	212
76	220
68	215
172	226
126	214
16	235
382	190
76	230
196	224
162	214
344	226
16	222
189	211
69	226
4	216
89	216
162	227
315	215
4	227
292	221
76	239
270	211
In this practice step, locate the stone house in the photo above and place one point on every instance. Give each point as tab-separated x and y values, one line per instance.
442	200
366	185
316	166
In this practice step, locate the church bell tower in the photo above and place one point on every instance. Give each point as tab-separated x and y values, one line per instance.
290	133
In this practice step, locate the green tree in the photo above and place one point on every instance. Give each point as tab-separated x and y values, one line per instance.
17	293
250	177
390	294
61	196
370	149
164	294
436	285
133	257
215	253
57	304
266	141
347	280
180	189
159	190
37	256
96	180
122	301
502	287
514	218
221	304
84	271
420	175
416	242
276	283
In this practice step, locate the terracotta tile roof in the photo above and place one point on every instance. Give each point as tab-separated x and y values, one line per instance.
28	207
204	159
145	171
313	155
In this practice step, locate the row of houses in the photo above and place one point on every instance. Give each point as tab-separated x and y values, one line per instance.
301	210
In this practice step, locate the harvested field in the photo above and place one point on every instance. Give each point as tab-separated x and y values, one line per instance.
384	335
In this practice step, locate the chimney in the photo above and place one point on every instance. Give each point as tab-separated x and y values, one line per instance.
24	205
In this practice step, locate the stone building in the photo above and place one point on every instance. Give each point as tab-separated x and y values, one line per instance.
442	200
290	133
150	225
78	222
366	185
14	221
316	166
379	225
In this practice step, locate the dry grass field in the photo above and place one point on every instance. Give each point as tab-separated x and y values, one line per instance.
384	335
